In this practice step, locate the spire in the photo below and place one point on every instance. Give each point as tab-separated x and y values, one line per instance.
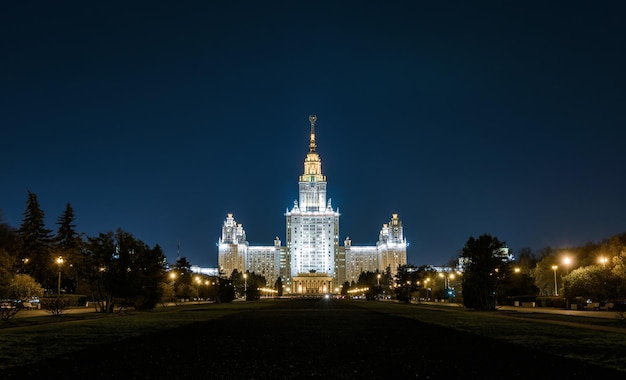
312	119
312	162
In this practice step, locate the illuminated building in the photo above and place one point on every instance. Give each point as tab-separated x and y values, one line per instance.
311	261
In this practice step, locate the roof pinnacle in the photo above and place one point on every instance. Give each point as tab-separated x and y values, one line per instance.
312	119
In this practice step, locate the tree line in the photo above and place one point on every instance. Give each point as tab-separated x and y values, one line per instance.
112	270
486	273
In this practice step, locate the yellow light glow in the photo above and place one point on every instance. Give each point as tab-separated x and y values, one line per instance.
567	261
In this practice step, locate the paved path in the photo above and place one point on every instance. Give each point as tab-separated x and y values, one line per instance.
321	339
544	310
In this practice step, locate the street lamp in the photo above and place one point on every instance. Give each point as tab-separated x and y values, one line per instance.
59	262
603	260
556	290
567	262
198	283
245	284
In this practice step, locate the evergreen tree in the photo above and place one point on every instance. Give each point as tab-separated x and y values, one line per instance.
408	279
278	285
34	245
182	284
345	288
485	266
68	244
67	237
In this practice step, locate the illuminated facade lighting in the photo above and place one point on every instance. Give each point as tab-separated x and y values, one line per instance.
311	261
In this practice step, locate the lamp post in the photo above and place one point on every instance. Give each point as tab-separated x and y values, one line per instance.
556	290
603	261
450	288
59	262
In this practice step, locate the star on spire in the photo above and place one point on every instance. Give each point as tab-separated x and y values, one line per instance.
312	119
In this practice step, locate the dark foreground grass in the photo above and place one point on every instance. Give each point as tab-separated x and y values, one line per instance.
27	340
287	339
594	340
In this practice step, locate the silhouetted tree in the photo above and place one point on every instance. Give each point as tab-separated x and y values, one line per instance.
278	286
484	266
8	237
408	280
345	288
123	271
34	245
254	282
183	279
68	244
225	291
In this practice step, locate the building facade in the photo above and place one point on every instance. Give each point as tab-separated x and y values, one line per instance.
311	261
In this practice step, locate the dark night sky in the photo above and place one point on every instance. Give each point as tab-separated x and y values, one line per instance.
160	118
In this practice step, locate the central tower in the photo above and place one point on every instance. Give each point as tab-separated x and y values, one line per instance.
312	228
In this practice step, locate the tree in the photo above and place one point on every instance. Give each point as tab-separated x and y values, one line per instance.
24	287
369	280
68	244
8	239
95	270
6	263
485	264
544	276
408	279
182	285
591	282
254	282
225	291
618	269
278	286
149	275
34	245
123	271
345	288
238	283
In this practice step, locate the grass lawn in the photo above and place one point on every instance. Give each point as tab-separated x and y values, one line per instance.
568	336
26	340
30	339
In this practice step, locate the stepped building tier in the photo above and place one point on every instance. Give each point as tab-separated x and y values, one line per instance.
311	262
